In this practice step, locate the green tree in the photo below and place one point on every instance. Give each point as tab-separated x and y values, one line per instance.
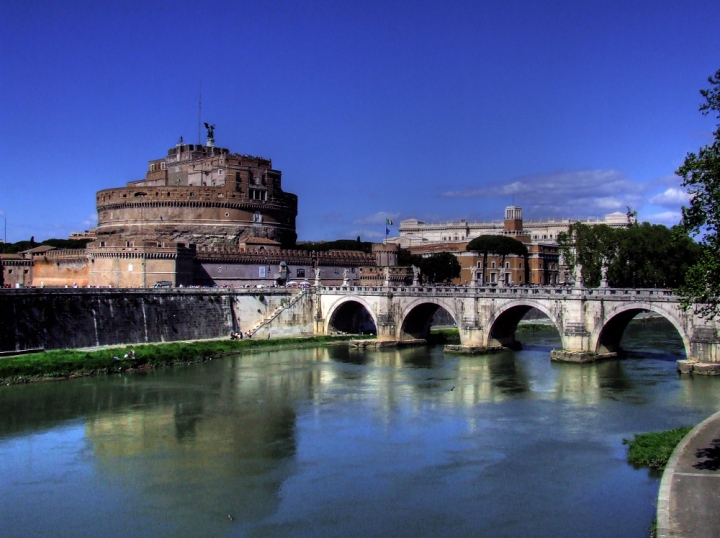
642	255
406	259
701	177
500	245
439	267
339	244
591	247
652	256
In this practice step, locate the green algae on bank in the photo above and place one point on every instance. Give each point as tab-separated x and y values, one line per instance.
68	363
654	449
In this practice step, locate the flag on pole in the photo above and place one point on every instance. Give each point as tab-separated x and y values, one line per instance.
388	222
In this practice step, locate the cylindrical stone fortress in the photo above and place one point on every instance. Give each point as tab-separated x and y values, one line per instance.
200	195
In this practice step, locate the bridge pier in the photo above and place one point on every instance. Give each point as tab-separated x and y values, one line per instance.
386	328
704	356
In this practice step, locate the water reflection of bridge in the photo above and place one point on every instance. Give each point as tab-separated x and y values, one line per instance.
590	322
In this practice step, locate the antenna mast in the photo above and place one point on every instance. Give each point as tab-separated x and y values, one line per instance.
199	112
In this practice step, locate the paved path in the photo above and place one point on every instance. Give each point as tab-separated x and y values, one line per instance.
689	499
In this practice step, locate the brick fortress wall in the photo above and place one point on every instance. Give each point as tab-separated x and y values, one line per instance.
200	195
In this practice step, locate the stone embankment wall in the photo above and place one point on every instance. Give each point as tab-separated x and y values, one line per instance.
75	318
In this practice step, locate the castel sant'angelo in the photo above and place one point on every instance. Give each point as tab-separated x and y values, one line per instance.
202	216
200	195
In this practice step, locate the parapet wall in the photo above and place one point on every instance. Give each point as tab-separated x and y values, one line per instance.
76	318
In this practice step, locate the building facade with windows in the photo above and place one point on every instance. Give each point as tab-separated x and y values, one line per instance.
414	232
542	266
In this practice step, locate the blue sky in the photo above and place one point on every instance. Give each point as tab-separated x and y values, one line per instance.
400	109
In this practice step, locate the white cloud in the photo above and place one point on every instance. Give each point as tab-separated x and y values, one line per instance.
367	234
377	218
568	194
669	218
671	197
92	220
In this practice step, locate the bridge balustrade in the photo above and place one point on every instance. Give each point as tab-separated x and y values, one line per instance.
541	291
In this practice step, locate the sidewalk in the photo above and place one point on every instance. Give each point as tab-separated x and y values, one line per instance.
689	498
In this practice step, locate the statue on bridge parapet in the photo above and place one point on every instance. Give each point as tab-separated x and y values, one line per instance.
473	276
603	273
386	270
416	276
346	277
318	272
578	275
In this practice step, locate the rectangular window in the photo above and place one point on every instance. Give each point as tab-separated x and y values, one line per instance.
255	194
301	273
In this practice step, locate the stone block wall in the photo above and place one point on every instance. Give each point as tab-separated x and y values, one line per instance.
75	318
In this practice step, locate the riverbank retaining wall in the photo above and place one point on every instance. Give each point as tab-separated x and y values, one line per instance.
76	317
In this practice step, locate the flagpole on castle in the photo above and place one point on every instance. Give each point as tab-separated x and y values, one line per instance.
388	222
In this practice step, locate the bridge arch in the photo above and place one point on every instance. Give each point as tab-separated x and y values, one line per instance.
351	315
606	337
417	317
504	322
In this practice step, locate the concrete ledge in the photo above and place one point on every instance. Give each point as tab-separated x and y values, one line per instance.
472	350
377	344
21	352
692	366
689	491
579	357
685	366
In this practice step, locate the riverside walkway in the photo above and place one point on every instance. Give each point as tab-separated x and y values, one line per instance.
689	498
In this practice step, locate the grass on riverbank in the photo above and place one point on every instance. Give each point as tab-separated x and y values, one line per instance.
443	336
654	449
63	363
535	327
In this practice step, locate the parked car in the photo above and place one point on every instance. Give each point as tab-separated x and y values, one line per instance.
163	284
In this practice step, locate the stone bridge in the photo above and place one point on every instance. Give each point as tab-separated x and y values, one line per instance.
590	322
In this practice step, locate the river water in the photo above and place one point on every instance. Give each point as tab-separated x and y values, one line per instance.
334	442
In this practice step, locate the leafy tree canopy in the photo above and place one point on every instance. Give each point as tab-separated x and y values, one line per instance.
439	267
701	177
340	244
502	245
643	255
20	246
